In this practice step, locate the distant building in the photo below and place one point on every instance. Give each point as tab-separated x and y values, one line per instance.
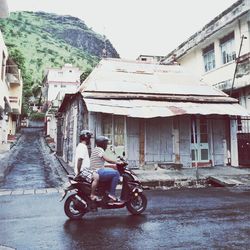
4	12
65	79
56	84
150	58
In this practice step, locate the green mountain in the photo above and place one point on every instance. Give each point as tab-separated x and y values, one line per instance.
39	40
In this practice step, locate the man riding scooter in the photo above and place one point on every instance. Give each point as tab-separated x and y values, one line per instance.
105	172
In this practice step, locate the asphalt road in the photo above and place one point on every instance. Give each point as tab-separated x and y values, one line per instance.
212	218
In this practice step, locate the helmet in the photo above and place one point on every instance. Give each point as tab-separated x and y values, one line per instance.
102	141
85	135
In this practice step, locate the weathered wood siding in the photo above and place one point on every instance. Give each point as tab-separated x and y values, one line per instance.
152	141
74	120
185	141
159	141
133	142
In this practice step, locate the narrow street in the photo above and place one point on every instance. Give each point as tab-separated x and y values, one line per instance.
31	167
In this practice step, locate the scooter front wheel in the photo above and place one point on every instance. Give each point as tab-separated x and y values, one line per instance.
137	204
73	208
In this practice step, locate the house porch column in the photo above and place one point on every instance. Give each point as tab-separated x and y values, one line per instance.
234	143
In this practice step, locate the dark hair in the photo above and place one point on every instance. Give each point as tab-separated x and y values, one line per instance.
85	135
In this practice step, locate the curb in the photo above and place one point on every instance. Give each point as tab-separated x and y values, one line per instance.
175	183
53	160
6	161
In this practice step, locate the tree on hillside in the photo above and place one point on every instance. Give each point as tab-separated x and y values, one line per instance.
85	74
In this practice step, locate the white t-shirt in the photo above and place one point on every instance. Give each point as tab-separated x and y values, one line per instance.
82	153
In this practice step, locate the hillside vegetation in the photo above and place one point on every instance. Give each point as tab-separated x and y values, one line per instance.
38	40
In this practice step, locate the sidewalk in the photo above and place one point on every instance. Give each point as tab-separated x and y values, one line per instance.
190	177
151	178
186	177
6	158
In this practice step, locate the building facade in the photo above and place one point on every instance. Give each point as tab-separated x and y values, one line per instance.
10	97
58	82
150	58
65	79
156	114
218	50
220	53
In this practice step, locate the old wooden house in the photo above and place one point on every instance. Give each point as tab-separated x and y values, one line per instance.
157	114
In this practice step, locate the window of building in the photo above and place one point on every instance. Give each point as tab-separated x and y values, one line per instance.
63	86
107	126
209	57
55	86
113	128
227	44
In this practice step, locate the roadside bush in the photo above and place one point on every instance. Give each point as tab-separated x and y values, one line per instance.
37	116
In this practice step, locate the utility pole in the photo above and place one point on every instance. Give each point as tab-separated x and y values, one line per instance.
236	66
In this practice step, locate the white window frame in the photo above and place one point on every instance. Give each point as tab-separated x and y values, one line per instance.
209	58
227	45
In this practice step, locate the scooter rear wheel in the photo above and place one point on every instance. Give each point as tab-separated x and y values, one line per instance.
137	204
73	208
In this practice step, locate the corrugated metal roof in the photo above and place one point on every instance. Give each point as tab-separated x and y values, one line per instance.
120	76
150	109
144	90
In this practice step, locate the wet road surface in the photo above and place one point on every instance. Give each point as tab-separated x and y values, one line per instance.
207	218
212	218
31	166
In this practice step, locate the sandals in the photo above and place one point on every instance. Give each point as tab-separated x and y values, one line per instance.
95	198
113	200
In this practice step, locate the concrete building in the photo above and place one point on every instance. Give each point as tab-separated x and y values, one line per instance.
15	82
150	58
11	91
4	11
64	80
220	53
4	95
58	82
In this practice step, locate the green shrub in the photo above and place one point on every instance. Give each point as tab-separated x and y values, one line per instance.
37	116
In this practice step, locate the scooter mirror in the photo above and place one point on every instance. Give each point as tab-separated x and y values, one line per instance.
112	149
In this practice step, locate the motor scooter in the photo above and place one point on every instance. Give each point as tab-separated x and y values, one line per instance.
79	203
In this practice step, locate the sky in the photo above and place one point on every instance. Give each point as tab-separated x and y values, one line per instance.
135	27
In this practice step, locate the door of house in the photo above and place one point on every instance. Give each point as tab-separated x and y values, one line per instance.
199	142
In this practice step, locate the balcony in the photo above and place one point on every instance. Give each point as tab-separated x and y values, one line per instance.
13	80
15	105
13	74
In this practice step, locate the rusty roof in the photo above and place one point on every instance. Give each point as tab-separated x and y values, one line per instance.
146	90
133	77
150	109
